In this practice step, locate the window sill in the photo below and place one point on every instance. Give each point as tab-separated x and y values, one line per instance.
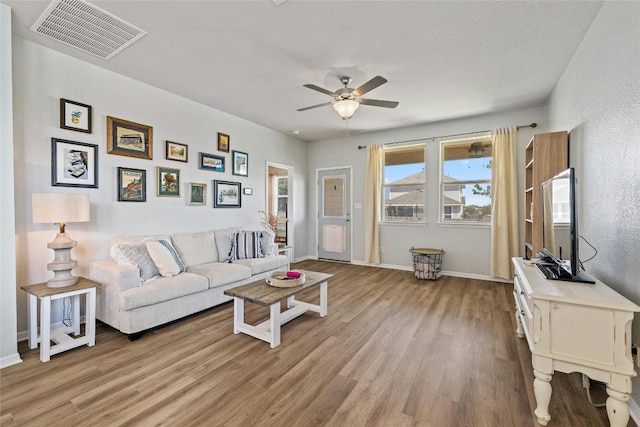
409	224
447	224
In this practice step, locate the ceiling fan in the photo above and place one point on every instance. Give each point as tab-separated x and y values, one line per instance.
347	100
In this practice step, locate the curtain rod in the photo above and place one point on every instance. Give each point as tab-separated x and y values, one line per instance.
532	125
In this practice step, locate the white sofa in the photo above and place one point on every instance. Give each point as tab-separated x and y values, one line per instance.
133	298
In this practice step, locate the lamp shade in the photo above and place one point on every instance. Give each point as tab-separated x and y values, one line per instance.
346	107
60	208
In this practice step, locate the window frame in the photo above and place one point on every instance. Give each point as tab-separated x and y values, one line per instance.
485	138
382	190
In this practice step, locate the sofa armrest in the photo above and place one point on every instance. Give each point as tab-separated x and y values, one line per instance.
113	276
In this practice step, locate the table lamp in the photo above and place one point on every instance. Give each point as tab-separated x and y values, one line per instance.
61	209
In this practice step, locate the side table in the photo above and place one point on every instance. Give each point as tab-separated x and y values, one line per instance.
60	337
286	250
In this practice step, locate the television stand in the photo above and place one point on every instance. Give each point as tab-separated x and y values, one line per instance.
570	327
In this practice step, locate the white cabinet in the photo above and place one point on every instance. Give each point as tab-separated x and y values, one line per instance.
575	327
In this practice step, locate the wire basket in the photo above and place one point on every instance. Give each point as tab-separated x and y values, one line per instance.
427	263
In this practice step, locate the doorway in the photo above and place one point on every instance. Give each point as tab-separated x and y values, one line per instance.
279	203
334	214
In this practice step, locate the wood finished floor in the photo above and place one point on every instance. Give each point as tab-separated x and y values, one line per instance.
393	351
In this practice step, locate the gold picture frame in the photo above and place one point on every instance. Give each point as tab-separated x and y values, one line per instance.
167	182
130	139
224	141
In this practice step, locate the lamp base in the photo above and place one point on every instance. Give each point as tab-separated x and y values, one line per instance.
62	263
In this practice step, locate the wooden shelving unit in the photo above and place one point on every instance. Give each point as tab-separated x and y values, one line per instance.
546	155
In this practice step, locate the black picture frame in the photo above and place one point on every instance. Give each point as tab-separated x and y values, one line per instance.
227	194
177	151
132	185
74	164
75	116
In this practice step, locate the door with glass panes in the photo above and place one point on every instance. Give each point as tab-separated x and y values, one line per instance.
334	214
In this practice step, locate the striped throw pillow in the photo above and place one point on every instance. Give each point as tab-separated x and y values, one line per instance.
246	244
165	258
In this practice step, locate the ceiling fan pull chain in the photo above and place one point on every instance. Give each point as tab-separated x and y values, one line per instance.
346	138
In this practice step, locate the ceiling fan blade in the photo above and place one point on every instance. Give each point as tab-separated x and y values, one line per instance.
319	89
378	103
315	106
370	85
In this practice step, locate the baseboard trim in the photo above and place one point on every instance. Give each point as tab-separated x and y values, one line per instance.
10	360
444	272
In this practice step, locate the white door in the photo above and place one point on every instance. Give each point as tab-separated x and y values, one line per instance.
334	214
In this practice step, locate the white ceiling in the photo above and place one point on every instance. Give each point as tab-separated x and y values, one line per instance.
443	59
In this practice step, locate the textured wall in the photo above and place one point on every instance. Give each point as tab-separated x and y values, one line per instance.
598	101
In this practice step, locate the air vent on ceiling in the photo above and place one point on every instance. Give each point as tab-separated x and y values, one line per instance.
86	27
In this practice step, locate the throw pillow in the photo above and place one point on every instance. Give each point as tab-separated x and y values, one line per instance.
267	243
223	242
130	254
165	258
246	244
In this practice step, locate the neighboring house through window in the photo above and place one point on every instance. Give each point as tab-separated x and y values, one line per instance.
404	182
465	180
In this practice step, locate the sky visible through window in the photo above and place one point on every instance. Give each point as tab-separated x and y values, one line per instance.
465	169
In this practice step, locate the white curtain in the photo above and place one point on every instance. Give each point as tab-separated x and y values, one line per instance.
504	201
373	182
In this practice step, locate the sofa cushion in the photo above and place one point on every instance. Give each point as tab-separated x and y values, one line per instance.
223	242
260	265
135	254
165	257
246	244
162	289
196	248
221	273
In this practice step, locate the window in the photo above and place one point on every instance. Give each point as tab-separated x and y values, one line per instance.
283	193
404	182
465	182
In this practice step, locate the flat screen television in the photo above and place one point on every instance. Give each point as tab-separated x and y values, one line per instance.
560	238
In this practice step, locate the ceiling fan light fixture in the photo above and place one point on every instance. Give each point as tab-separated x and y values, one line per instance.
346	108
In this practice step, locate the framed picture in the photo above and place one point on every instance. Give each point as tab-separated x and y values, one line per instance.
132	185
240	163
226	194
75	116
73	164
247	191
197	194
177	151
211	162
130	139
167	182
223	142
